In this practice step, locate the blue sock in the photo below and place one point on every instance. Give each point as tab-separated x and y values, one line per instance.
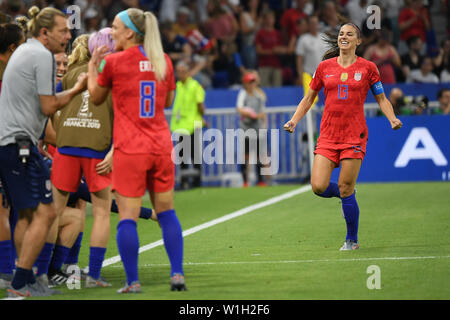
5	257
128	245
59	256
72	257
20	278
145	213
351	214
331	191
173	239
31	279
43	260
96	257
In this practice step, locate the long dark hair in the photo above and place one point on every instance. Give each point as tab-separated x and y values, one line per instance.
331	38
10	33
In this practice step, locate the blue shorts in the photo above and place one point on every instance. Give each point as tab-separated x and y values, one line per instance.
25	185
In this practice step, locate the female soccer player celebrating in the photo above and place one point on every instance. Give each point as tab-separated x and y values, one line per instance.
346	79
142	82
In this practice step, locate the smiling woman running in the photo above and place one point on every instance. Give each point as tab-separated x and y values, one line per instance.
346	79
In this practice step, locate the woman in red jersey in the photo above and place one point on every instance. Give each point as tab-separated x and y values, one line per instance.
346	79
141	79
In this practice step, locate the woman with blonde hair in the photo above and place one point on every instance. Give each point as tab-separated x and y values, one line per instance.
83	140
141	79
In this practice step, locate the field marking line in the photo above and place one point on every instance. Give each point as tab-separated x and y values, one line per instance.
292	261
235	214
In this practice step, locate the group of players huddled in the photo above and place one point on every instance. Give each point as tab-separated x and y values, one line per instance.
64	121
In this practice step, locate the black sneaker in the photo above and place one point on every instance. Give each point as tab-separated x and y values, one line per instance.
177	283
57	277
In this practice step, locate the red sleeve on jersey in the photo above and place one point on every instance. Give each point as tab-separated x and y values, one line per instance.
105	72
374	74
170	77
317	81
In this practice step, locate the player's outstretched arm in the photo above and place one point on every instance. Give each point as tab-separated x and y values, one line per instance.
302	108
388	111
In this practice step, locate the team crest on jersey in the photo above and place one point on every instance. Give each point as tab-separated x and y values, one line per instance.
344	76
358	76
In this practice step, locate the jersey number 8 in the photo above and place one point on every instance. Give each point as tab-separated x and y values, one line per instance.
147	92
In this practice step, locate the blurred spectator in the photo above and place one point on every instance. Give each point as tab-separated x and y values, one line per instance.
4	18
442	60
251	105
269	47
370	34
249	23
309	52
329	18
201	62
357	11
444	102
13	8
183	24
150	5
228	67
392	10
302	28
424	74
168	10
445	75
290	18
406	105
413	59
385	56
187	117
397	100
221	25
414	20
175	45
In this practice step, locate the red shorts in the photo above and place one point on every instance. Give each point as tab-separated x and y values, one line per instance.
135	173
67	172
339	151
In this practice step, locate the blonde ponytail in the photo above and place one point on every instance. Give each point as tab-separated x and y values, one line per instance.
80	53
153	46
147	23
42	19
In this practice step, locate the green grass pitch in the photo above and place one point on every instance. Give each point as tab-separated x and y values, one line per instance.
290	250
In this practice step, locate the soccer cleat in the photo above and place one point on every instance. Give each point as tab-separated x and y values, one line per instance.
94	283
177	283
42	286
56	278
262	184
350	245
29	290
134	287
23	292
5	280
83	273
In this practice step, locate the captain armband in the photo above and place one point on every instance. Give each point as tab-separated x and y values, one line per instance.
377	88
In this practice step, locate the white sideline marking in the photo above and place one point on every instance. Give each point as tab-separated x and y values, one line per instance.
289	261
238	213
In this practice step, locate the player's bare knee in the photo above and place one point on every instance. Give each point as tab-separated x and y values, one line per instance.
346	189
318	188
